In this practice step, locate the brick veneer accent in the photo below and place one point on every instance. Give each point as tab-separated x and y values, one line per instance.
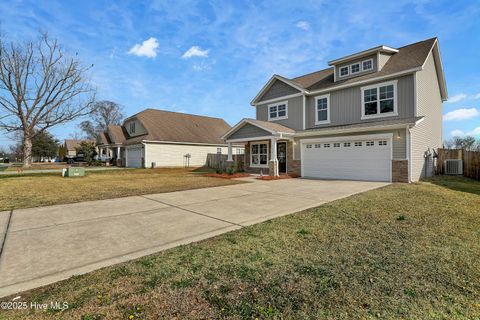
293	166
400	171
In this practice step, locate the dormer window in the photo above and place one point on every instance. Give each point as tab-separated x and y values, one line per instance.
132	127
344	71
367	65
355	68
278	111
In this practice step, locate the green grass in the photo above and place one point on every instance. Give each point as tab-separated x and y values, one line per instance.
41	189
400	252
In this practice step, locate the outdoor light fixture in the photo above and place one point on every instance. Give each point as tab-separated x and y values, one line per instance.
398	134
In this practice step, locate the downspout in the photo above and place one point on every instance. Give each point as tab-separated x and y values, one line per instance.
304	109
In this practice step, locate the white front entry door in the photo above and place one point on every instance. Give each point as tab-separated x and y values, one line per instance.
367	159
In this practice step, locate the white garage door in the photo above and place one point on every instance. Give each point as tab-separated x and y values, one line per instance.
362	159
134	157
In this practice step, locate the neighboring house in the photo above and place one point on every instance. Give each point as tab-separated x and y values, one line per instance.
69	148
373	115
158	138
110	144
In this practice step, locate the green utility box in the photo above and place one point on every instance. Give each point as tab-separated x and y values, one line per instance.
74	172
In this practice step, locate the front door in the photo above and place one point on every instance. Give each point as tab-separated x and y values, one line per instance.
282	157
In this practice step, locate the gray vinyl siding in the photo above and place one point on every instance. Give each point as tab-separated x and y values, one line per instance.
382	60
248	131
374	69
427	135
278	89
399	142
346	105
295	113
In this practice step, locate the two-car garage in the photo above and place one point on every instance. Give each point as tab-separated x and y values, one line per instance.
366	157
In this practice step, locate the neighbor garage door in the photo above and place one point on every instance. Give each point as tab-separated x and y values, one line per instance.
350	158
134	157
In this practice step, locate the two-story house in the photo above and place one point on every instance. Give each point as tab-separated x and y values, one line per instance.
373	115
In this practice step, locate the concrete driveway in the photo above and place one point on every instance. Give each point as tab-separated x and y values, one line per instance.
48	244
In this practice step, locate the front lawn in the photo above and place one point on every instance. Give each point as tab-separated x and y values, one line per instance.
400	252
31	190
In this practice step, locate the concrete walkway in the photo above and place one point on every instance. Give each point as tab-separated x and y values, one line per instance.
47	244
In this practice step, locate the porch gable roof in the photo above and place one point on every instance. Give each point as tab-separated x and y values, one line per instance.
263	128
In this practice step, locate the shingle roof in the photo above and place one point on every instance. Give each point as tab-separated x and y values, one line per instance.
117	133
103	138
71	144
164	125
272	126
369	124
407	57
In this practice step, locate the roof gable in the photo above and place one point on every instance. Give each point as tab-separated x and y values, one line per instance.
287	86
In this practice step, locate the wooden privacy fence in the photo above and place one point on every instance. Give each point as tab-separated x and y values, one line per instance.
219	161
471	161
471	164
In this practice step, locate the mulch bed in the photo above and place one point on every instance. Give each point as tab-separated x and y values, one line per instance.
228	176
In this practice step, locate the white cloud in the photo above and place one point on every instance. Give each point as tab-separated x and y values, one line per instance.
457	98
304	25
195	51
459	133
461	114
148	48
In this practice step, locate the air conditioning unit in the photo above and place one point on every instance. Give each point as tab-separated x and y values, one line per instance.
453	166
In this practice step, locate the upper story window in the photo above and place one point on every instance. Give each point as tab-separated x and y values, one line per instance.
354	68
379	100
322	109
132	127
367	65
344	71
278	111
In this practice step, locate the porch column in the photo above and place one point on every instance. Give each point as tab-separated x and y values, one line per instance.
230	157
273	166
118	153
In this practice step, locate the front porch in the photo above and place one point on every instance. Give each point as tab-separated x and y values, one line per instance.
112	154
268	150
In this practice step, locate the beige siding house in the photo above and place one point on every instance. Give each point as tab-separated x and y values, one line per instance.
158	138
373	115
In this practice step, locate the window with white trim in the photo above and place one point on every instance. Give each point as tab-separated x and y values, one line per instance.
358	144
219	150
346	144
278	111
367	65
240	151
370	143
326	145
322	109
259	154
309	146
317	145
344	71
132	127
379	100
336	145
355	68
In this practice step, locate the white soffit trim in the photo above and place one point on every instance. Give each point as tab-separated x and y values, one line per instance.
349	130
363	53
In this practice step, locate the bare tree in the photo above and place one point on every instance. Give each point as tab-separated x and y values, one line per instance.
104	114
40	87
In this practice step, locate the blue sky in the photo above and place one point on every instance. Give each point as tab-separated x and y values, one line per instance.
212	57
